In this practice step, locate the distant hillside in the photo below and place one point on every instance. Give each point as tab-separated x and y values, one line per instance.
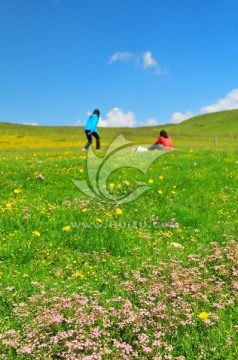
218	129
221	123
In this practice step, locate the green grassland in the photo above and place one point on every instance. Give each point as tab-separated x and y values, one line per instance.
218	130
88	278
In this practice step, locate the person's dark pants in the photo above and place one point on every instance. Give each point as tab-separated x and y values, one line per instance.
156	147
90	140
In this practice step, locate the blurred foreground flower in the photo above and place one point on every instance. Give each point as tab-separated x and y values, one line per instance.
78	274
36	233
203	315
126	182
177	245
66	228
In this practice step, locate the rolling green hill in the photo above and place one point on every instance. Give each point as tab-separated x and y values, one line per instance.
222	123
220	129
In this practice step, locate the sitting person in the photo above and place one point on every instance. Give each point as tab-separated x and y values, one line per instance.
164	142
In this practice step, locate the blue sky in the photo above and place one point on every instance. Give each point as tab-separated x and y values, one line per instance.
140	62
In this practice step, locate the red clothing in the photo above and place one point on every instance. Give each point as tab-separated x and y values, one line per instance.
166	142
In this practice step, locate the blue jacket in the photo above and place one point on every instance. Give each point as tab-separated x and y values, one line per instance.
91	123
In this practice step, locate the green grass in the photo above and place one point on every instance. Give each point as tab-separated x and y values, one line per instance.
57	242
218	130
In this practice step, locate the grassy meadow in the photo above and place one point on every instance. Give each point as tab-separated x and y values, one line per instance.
218	130
154	278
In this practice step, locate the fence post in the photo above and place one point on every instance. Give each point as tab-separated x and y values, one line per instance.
215	139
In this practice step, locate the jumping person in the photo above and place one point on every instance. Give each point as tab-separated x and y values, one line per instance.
91	129
164	142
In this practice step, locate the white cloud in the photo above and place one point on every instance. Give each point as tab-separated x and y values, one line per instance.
117	118
78	122
152	122
150	62
178	117
229	102
31	123
121	56
144	60
149	122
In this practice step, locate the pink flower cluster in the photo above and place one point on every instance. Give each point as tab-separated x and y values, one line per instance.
158	306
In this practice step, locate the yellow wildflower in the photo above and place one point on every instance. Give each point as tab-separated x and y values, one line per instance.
8	206
203	315
126	182
99	220
17	191
84	209
111	185
66	228
36	233
78	274
119	186
150	181
161	177
160	192
118	211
